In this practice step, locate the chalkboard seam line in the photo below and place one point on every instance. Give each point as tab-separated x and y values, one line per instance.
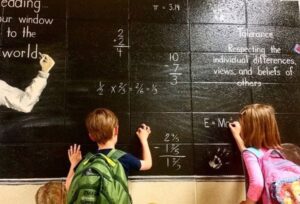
154	145
216	113
266	25
212	82
197	23
210	143
157	178
213	113
173	156
132	113
30	180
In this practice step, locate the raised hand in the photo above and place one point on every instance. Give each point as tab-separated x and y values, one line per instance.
74	154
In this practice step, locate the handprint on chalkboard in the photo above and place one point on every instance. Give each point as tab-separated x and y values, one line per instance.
219	158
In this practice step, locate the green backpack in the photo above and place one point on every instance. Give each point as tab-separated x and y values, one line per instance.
100	179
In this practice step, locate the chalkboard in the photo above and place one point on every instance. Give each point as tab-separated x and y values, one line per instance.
185	67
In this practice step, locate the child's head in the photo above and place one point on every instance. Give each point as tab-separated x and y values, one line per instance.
259	127
101	124
51	193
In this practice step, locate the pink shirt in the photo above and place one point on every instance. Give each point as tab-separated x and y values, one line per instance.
256	180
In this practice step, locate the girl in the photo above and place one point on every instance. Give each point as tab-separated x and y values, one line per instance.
257	127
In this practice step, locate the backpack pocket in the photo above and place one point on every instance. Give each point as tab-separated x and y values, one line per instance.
286	191
89	188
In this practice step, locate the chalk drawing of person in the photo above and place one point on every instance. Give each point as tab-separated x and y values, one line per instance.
24	101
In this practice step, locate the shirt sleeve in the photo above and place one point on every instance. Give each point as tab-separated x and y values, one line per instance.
20	100
130	163
256	180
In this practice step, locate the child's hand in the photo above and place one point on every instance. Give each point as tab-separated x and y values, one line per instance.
74	154
143	132
235	128
46	62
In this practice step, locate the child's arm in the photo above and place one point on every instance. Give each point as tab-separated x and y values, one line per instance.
75	157
256	180
143	133
235	128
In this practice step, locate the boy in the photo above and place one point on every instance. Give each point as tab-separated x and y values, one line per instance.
103	128
24	101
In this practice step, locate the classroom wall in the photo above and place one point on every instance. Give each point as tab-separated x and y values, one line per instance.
151	192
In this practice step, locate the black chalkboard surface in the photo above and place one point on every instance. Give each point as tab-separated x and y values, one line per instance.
184	67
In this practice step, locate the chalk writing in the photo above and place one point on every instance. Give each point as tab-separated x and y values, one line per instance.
24	31
255	49
174	58
248	34
119	40
218	122
36	20
231	59
124	88
19	4
255	58
168	7
30	52
172	154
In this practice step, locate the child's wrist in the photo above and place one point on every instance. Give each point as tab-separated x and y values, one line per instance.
72	166
236	135
144	141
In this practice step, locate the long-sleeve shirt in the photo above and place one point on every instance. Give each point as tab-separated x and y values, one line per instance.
256	180
20	100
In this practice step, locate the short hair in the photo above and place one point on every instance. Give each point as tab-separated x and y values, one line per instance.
51	193
100	124
259	126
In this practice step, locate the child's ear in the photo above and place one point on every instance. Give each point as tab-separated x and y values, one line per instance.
92	137
116	130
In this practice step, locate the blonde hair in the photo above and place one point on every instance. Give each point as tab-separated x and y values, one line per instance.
51	193
100	124
259	127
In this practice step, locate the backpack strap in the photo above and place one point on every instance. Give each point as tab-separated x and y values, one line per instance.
275	153
259	154
115	154
87	158
255	151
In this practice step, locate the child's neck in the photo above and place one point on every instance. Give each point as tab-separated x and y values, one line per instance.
107	145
